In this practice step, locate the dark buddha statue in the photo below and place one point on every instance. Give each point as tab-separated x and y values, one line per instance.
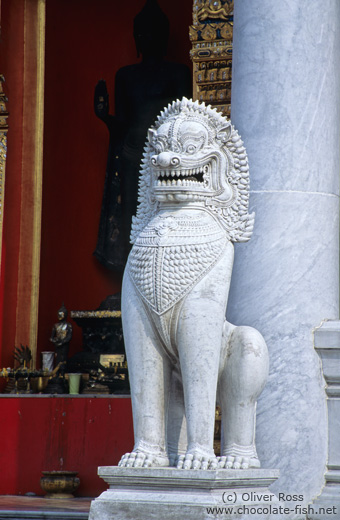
142	90
61	336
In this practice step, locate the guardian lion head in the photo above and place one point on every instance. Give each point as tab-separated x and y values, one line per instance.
195	156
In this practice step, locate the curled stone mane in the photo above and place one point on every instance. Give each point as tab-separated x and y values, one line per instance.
233	215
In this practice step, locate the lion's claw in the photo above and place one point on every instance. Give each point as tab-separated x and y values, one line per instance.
196	460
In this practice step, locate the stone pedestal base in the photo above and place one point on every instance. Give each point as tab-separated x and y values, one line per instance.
172	494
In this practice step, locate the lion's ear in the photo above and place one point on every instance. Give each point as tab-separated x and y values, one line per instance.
152	134
224	133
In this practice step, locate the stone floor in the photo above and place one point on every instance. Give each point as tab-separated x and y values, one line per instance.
23	507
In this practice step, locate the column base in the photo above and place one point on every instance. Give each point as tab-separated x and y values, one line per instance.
172	494
327	505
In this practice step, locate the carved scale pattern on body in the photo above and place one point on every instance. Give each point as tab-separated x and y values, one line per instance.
163	275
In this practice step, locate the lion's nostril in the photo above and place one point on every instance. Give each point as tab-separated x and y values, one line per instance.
175	161
165	159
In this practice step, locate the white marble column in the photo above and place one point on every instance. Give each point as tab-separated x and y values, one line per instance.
285	105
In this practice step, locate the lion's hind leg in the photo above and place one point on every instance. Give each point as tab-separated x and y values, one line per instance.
241	382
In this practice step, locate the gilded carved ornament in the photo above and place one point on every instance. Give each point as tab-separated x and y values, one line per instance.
214	9
211	35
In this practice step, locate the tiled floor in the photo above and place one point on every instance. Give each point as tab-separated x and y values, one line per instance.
22	507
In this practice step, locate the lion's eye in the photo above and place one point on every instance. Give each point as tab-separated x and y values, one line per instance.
191	148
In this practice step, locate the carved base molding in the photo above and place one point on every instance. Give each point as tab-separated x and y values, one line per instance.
172	494
327	345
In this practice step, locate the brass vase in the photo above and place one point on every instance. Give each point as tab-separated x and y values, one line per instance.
59	484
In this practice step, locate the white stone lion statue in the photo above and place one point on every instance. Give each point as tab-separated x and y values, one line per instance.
183	356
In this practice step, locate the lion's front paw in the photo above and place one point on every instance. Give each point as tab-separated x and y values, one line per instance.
239	457
135	460
197	459
233	462
140	459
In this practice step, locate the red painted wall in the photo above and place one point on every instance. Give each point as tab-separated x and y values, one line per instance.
48	433
86	40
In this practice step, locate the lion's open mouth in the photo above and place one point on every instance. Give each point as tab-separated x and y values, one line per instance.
185	177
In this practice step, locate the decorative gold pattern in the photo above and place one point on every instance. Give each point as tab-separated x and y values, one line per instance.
215	9
3	151
110	360
211	35
95	314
